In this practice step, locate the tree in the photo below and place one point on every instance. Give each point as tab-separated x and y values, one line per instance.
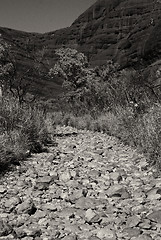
10	78
72	66
94	87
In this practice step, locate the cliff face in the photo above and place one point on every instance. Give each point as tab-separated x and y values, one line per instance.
127	31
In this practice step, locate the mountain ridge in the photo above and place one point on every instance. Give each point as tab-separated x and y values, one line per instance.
126	31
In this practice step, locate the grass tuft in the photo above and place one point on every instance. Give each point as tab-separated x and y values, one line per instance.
24	129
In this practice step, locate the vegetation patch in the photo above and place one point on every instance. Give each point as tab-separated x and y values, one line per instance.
123	103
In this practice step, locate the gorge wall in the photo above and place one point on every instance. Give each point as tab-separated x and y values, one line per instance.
127	31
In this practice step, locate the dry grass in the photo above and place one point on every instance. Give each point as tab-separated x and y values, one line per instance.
142	131
23	129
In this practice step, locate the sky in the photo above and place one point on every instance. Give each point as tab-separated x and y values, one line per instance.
41	15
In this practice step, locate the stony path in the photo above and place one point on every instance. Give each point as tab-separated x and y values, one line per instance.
89	187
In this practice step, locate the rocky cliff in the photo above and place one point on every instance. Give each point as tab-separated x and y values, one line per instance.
127	31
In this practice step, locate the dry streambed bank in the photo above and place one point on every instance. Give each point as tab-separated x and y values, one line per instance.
88	187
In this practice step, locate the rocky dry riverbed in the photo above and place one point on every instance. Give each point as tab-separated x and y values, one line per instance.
89	187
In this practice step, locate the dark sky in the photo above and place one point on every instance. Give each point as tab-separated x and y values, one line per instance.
40	15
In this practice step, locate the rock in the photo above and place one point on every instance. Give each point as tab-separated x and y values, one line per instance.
93	238
155	216
20	233
132	232
33	231
74	174
54	175
28	238
39	214
8	237
118	191
65	176
73	228
12	202
106	233
133	221
145	224
70	237
116	176
50	206
66	213
20	220
43	183
142	237
90	216
5	229
154	194
26	207
85	203
76	194
2	189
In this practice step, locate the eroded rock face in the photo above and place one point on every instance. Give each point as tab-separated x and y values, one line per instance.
127	31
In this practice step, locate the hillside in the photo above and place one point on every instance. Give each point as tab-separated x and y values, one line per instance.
26	52
127	31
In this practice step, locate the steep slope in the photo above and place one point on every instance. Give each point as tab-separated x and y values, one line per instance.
26	54
127	31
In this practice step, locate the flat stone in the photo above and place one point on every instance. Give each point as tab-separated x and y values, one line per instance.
12	202
118	192
33	231
89	215
20	233
132	221
66	213
76	194
2	189
142	237
132	232
5	229
50	206
39	214
8	237
145	224
154	194
155	216
21	219
40	185
85	203
105	233
93	238
65	176
54	175
73	228
26	207
115	176
70	237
